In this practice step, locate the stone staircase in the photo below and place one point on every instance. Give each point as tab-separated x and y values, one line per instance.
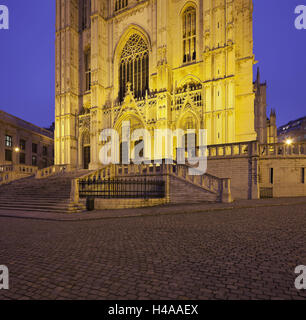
51	194
182	187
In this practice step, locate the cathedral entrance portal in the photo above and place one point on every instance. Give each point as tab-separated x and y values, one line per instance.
86	157
85	150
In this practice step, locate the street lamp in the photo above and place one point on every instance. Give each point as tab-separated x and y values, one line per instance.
289	142
17	150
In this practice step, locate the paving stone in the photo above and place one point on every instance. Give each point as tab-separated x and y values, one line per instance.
231	254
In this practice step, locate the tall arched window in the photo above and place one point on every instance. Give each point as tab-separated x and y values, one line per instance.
134	67
86	13
120	4
87	62
189	35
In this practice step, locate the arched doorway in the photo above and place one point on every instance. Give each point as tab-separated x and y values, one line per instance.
189	125
133	145
129	123
86	150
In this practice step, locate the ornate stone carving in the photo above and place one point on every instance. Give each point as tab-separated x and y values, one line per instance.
84	122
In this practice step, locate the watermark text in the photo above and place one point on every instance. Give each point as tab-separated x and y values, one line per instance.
4	278
300	21
300	281
141	147
4	17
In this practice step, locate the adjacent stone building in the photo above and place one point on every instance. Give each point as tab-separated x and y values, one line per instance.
23	143
294	131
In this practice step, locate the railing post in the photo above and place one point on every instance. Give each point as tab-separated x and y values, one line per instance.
226	196
145	188
74	194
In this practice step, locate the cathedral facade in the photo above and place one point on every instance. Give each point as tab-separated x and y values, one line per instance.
158	64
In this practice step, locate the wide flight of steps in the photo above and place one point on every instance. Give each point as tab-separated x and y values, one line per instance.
51	194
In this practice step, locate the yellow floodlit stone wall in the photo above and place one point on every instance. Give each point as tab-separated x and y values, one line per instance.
211	86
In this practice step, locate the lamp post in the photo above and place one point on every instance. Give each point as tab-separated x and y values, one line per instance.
289	143
17	150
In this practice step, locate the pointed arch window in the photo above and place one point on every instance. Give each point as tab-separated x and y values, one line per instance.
86	13
87	62
120	4
189	35
134	67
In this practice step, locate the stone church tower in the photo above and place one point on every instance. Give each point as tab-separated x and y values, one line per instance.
265	127
156	63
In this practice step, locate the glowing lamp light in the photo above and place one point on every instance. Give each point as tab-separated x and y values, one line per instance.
17	149
289	142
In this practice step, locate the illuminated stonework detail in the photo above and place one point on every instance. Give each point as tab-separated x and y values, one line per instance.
189	35
86	13
120	4
87	61
134	67
143	44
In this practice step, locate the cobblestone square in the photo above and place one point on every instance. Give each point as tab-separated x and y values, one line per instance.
243	253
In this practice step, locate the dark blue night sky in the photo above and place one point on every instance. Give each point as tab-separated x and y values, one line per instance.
27	59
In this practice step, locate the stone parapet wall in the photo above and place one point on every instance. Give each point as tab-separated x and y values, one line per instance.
287	176
241	171
15	172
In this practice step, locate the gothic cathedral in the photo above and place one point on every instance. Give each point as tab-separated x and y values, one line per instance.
156	63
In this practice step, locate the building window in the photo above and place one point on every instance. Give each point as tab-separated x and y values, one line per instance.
86	13
120	4
303	175
8	141
8	155
189	35
34	161
22	158
34	147
22	145
45	151
134	67
87	59
271	175
45	163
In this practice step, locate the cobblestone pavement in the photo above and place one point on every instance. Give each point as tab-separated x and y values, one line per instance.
238	254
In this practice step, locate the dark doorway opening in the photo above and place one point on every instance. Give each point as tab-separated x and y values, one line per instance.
86	157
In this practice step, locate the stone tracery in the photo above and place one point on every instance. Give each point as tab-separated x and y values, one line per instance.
134	67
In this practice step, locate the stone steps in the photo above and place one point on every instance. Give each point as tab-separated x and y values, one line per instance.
184	191
34	201
182	187
46	210
50	194
49	209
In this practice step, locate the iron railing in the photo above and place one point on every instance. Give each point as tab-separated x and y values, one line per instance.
122	188
266	193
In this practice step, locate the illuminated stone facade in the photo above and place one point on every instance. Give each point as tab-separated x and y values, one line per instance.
189	64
